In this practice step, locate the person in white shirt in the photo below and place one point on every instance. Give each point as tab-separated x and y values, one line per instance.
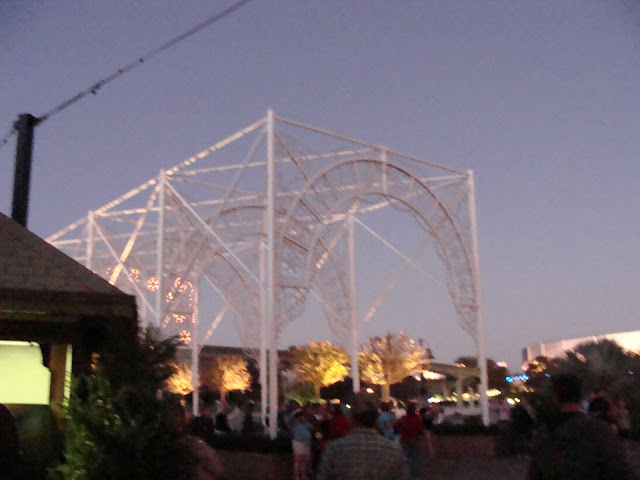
235	419
398	411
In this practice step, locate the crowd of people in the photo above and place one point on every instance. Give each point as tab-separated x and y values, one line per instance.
402	434
315	428
521	423
577	439
568	438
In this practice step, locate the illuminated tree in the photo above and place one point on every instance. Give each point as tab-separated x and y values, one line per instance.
320	363
390	359
181	382
230	373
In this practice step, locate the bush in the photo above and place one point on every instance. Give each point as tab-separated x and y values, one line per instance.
116	424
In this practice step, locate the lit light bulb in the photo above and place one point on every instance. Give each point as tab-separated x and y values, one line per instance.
153	284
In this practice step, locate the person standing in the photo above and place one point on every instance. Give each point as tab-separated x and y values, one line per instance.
197	459
411	430
575	446
521	427
427	414
235	418
363	453
300	444
249	424
386	421
603	409
339	424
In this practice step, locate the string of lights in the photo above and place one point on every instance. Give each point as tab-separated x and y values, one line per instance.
93	89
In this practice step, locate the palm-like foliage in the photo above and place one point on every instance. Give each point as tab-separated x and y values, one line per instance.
320	363
603	366
390	359
539	371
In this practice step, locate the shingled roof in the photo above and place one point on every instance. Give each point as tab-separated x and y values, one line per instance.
27	262
45	295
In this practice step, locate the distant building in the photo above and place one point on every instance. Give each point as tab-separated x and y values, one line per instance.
627	340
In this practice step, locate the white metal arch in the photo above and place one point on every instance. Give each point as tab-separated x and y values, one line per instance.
343	206
267	231
373	188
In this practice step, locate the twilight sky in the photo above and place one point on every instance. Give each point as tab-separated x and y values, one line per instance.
539	98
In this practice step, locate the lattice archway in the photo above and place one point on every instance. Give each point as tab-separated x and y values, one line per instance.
266	233
401	190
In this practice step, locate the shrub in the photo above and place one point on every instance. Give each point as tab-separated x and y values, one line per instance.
114	421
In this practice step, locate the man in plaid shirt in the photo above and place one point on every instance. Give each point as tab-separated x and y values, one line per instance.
363	453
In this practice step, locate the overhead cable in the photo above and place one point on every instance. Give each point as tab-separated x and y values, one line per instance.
93	89
6	138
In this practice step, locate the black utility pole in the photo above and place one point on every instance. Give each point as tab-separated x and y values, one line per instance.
22	174
21	180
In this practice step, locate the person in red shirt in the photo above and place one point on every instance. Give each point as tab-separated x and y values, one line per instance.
340	424
411	430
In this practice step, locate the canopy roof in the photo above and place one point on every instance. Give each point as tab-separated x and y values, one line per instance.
46	296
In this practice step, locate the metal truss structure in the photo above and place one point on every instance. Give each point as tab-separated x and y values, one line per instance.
265	219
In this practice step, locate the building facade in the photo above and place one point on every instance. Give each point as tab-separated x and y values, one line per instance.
628	340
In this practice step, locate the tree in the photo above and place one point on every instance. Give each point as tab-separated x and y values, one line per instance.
230	373
603	366
388	360
181	382
114	421
539	371
320	363
496	375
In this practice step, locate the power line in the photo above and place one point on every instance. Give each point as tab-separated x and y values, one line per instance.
93	89
8	135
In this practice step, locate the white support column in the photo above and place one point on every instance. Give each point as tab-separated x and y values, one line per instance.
160	249
195	360
263	339
479	310
459	392
383	157
142	316
270	282
89	260
135	286
355	373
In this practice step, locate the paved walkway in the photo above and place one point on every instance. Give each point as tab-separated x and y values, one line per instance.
509	468
500	468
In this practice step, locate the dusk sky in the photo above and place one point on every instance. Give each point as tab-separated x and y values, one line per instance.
540	98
